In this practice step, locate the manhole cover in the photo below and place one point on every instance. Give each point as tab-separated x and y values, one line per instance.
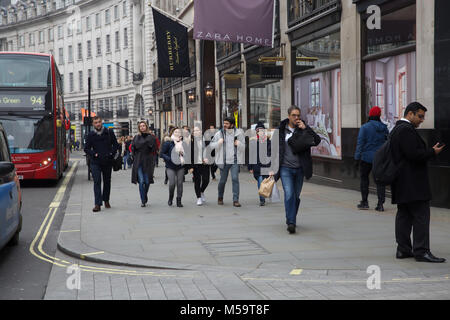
233	247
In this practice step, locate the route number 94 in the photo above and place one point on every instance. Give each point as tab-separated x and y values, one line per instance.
36	100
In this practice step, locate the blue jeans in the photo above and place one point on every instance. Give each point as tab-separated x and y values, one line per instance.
125	158
234	177
144	185
292	181
260	180
97	172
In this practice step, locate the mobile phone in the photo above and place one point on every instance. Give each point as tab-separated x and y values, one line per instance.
441	144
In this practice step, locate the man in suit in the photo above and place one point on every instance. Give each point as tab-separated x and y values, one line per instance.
411	190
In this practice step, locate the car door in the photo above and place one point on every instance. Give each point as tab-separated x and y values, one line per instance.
9	203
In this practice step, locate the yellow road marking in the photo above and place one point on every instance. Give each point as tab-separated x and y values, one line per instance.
93	253
296	272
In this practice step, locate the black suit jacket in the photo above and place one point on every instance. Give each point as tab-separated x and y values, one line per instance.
412	183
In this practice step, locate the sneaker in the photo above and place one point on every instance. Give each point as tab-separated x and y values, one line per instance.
363	205
199	201
262	203
143	205
203	197
291	228
236	204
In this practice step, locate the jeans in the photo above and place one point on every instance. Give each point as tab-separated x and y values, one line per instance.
234	177
260	180
365	169
125	158
292	181
144	185
97	172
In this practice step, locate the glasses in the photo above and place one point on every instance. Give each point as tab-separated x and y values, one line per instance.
295	115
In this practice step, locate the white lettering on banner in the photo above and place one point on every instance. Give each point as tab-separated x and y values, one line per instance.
240	38
217	36
200	34
227	37
258	40
209	35
248	39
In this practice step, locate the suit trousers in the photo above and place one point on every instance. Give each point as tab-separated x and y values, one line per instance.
413	216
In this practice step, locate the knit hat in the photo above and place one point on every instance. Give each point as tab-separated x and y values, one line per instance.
375	112
260	125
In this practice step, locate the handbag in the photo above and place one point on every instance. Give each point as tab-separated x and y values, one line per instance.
117	161
301	141
275	194
266	187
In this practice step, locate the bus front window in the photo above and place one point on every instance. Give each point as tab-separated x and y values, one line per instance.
30	134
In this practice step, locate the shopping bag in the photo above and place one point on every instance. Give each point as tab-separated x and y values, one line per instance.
265	190
275	194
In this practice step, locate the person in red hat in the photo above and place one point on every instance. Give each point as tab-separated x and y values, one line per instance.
371	137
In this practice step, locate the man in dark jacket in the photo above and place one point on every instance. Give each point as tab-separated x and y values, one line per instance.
411	190
101	146
371	137
293	167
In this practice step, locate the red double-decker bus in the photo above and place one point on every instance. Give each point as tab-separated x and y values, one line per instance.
33	115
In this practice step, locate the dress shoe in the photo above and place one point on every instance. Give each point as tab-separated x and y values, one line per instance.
236	204
428	257
291	228
96	209
363	205
379	207
220	201
107	205
404	255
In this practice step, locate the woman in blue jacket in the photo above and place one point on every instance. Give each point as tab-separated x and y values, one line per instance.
371	137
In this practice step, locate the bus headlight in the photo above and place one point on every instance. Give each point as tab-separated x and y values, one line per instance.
46	162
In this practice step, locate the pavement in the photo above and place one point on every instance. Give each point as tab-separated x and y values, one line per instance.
223	252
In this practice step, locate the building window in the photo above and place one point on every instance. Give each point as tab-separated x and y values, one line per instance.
60	32
80	79
88	23
125	37
97	20
99	78
107	16
117	40
70	28
109	75
62	83
50	34
70	52
71	82
22	41
126	71
124	8
118	74
108	43
90	74
31	38
61	56
80	51
41	36
380	93
315	92
78	26
116	12
89	49
99	47
402	91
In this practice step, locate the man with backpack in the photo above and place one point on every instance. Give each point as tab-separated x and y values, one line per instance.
411	188
371	137
101	146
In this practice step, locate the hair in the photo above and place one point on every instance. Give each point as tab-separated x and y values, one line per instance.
139	124
172	130
414	107
229	119
292	108
96	118
376	118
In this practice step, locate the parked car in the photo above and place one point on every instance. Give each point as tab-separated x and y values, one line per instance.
10	196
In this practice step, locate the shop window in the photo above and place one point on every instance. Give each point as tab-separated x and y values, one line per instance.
380	93
402	90
315	92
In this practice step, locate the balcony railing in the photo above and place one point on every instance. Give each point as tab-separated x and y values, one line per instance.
300	10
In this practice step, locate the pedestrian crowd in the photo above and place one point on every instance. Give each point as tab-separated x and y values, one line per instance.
185	153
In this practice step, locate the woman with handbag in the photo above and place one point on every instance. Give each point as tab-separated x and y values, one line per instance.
262	141
143	146
173	154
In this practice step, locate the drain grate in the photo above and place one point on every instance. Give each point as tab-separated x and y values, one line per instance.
233	247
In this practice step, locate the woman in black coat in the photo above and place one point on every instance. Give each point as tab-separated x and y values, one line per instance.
143	146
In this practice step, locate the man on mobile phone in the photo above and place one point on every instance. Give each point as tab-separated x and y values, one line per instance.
411	190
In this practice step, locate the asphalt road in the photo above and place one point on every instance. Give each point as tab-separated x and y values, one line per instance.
22	275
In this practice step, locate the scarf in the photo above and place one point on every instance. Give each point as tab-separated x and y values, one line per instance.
178	147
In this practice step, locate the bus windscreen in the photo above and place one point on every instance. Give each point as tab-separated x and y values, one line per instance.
24	71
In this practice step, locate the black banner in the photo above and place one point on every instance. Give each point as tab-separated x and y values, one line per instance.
173	50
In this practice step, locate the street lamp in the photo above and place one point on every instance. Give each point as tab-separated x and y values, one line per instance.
191	96
209	91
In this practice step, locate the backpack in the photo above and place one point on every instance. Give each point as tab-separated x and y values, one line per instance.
385	169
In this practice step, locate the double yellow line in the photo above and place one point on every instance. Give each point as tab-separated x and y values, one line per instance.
37	245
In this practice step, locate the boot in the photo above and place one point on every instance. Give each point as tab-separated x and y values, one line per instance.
380	207
363	205
179	205
170	199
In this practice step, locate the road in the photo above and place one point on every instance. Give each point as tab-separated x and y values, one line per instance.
22	275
